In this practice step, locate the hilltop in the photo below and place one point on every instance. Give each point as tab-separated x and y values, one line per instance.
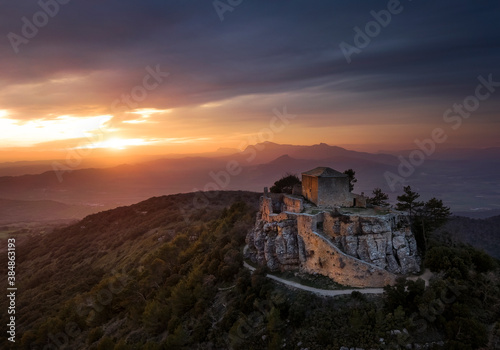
167	273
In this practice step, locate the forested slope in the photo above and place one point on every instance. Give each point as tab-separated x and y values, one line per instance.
167	273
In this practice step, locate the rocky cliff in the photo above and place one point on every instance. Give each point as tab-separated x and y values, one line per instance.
385	240
358	250
276	244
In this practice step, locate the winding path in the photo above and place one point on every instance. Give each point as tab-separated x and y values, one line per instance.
321	292
331	293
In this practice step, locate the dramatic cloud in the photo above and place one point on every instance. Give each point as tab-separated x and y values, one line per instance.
77	58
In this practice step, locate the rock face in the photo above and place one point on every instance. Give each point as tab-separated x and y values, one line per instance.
354	250
385	241
276	244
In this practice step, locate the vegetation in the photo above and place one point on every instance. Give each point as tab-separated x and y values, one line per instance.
168	273
352	178
425	216
408	201
379	198
286	184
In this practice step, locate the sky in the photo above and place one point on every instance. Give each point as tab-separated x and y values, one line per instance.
182	76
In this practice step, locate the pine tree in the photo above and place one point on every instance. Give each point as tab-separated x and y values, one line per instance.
285	184
408	201
379	198
352	178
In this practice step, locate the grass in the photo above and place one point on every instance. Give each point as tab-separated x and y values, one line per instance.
365	211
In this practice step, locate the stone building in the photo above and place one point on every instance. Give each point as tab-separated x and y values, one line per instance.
326	187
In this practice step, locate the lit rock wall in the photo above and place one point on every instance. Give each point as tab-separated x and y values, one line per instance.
352	250
385	240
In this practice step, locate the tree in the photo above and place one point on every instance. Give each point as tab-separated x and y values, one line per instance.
285	184
428	217
379	198
352	179
408	201
435	213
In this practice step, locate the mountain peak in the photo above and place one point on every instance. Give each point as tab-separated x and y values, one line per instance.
281	159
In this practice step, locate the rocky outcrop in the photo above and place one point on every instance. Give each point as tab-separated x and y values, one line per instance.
276	244
355	250
385	241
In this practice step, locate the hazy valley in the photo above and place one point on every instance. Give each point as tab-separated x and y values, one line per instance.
467	180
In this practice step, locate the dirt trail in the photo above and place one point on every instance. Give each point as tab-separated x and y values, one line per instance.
331	293
321	292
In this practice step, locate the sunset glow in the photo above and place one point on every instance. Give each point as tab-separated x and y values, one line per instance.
118	144
160	92
32	132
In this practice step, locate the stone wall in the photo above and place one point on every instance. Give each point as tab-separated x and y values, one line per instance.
358	200
292	204
323	257
334	191
266	208
310	188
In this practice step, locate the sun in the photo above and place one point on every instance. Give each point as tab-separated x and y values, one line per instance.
115	143
120	144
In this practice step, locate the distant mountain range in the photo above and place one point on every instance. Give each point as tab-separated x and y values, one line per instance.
467	180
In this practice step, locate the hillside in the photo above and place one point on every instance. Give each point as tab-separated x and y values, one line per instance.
167	273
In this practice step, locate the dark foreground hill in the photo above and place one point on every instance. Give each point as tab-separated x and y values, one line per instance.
167	273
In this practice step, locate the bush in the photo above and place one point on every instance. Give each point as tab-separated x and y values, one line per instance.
285	184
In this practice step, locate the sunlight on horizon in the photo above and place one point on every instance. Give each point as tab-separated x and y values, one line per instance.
117	144
32	132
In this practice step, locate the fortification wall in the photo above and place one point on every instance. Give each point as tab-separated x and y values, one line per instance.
325	258
292	204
